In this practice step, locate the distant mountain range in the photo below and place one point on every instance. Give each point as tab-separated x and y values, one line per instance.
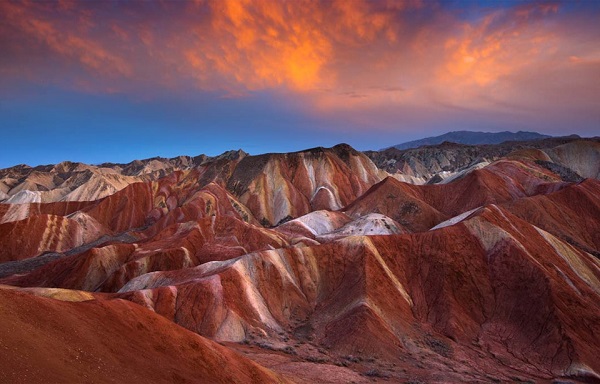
473	138
433	163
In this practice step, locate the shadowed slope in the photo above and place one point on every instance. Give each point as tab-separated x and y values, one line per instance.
582	157
421	207
571	214
400	201
437	163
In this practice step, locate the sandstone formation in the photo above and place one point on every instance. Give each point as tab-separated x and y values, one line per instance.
70	181
280	186
317	264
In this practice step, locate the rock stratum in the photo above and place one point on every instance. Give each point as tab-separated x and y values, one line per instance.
314	266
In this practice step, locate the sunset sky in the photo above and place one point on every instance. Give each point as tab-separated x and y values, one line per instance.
97	81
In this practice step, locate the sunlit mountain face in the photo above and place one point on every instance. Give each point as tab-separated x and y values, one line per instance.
170	78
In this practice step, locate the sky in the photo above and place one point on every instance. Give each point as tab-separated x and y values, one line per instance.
98	81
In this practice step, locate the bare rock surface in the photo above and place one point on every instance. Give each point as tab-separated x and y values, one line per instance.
316	265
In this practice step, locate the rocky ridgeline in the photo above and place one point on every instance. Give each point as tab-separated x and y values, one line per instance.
435	163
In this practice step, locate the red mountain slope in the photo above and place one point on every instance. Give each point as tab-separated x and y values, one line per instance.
421	207
489	291
571	214
49	341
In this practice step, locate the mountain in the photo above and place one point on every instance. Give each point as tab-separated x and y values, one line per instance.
315	266
435	163
288	185
472	138
68	181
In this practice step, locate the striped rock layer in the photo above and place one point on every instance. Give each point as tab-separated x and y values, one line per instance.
319	266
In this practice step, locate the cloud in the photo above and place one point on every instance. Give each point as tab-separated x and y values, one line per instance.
230	44
387	61
69	41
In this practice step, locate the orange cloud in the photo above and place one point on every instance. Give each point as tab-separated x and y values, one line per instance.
333	56
234	45
486	52
261	46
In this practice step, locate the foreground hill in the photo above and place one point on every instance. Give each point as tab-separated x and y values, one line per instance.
322	267
50	341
